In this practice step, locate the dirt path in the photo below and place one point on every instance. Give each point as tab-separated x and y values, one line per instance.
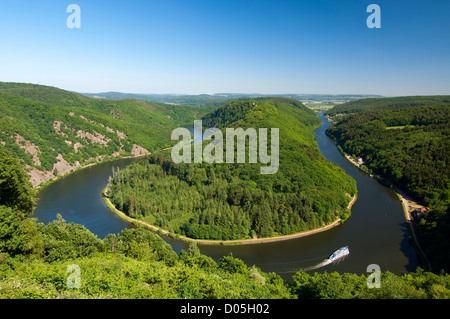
224	242
405	199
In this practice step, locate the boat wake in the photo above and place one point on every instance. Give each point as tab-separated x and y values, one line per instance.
319	265
335	258
323	264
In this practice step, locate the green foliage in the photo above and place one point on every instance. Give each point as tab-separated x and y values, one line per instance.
141	244
233	265
412	155
414	158
107	276
219	99
18	233
194	258
419	285
34	260
53	121
201	100
15	189
234	201
433	230
391	103
64	241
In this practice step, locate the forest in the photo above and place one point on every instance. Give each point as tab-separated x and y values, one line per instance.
39	122
409	148
234	201
35	258
388	103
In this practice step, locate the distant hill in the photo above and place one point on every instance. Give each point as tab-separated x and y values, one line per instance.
385	103
42	93
219	99
55	131
174	99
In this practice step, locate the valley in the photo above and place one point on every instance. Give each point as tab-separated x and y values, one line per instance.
307	196
56	131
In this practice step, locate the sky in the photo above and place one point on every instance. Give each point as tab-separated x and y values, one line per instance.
245	46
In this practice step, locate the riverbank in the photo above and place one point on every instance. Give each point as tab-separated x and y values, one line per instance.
78	199
74	170
408	204
221	242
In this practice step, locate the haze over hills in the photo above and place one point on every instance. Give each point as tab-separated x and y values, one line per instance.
391	103
218	99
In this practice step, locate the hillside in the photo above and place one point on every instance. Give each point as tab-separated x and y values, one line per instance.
235	201
391	103
55	131
409	148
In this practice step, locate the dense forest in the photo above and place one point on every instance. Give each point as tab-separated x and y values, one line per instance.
391	103
306	192
36	262
46	126
235	201
410	148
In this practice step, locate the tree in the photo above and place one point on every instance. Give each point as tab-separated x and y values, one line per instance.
233	265
18	233
193	249
15	188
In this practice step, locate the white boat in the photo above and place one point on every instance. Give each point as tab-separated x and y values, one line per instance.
341	252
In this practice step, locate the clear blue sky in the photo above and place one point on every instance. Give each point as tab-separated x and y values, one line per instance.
196	46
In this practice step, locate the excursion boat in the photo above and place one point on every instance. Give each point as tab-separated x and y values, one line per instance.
341	252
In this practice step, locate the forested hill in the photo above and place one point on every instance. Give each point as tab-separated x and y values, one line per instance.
220	99
410	148
38	261
240	113
55	131
235	201
391	103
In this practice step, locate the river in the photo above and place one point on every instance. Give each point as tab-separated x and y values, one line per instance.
376	232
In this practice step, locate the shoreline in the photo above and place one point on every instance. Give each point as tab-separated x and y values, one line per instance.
405	199
407	202
249	241
41	186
